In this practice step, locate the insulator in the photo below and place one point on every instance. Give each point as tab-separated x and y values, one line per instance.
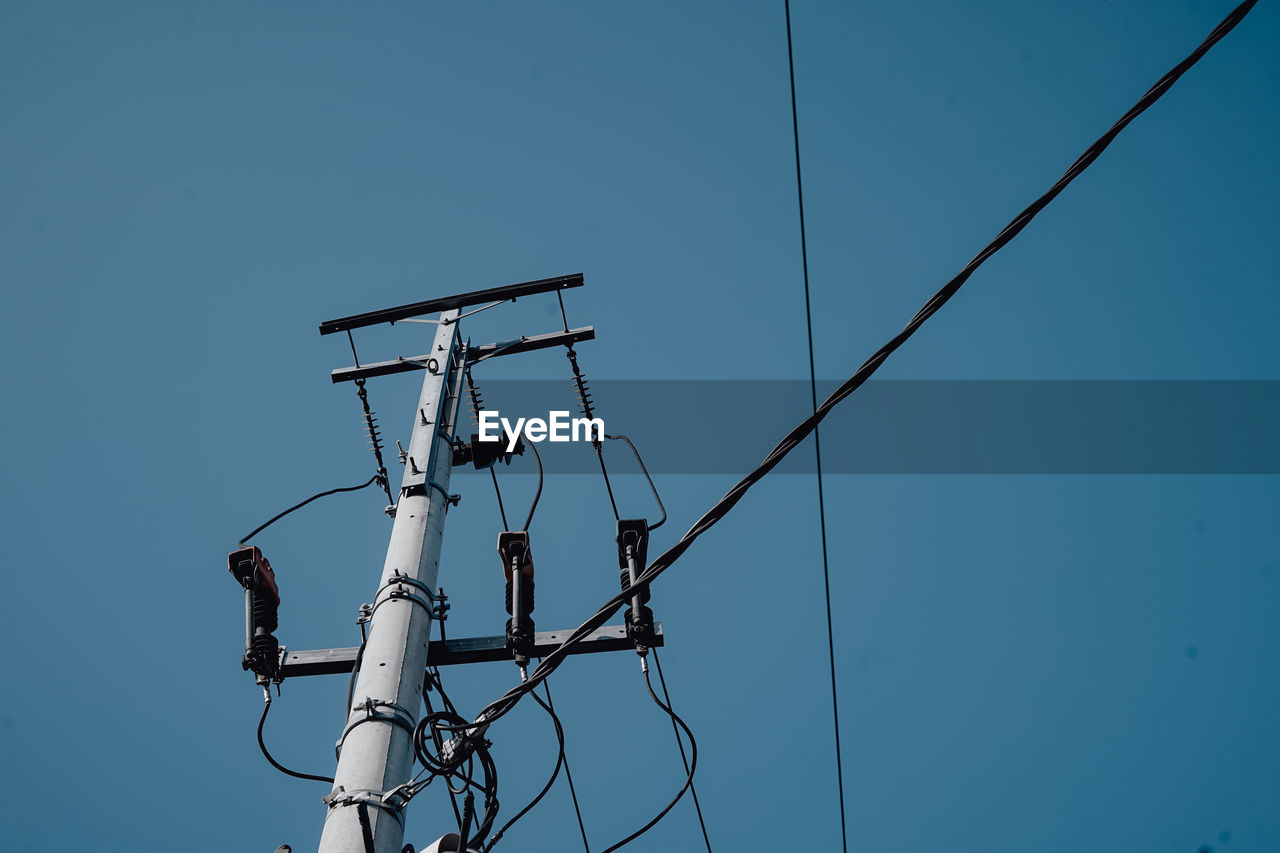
626	586
266	613
584	395
477	399
526	595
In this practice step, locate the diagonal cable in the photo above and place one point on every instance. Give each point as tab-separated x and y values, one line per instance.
791	440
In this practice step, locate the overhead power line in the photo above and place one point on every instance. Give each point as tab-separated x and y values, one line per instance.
802	430
817	444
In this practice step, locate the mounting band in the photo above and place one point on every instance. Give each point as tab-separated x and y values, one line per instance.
399	716
392	802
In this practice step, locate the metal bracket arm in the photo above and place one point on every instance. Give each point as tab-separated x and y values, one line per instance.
474	354
610	638
445	303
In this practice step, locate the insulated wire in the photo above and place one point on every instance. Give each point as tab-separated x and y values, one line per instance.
507	701
276	764
351	687
448	706
817	446
501	510
536	495
276	518
555	774
568	774
693	765
645	471
693	789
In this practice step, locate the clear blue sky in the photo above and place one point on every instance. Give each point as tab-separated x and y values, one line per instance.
187	189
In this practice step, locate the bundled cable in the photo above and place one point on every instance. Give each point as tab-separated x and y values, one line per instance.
507	701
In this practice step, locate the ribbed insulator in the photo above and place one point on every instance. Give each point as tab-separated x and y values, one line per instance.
625	575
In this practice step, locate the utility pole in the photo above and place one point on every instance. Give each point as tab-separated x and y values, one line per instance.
376	746
372	784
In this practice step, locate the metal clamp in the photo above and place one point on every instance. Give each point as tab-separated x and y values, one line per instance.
413	490
452	500
399	716
392	802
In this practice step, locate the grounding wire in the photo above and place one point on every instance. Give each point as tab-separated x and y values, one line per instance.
817	446
693	789
276	518
504	703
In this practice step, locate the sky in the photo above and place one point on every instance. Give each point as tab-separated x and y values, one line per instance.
1048	661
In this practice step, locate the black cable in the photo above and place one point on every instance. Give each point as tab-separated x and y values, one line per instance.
276	518
645	471
493	475
464	828
366	829
693	766
817	446
555	773
276	764
351	686
434	677
504	703
536	495
693	789
568	774
608	487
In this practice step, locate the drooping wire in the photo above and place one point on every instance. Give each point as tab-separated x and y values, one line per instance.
433	677
276	518
645	471
693	789
365	610
537	494
817	446
555	774
262	745
692	766
725	504
568	773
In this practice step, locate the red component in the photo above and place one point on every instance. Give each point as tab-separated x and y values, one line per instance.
250	568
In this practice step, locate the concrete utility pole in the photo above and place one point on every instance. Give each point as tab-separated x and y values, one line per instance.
377	753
